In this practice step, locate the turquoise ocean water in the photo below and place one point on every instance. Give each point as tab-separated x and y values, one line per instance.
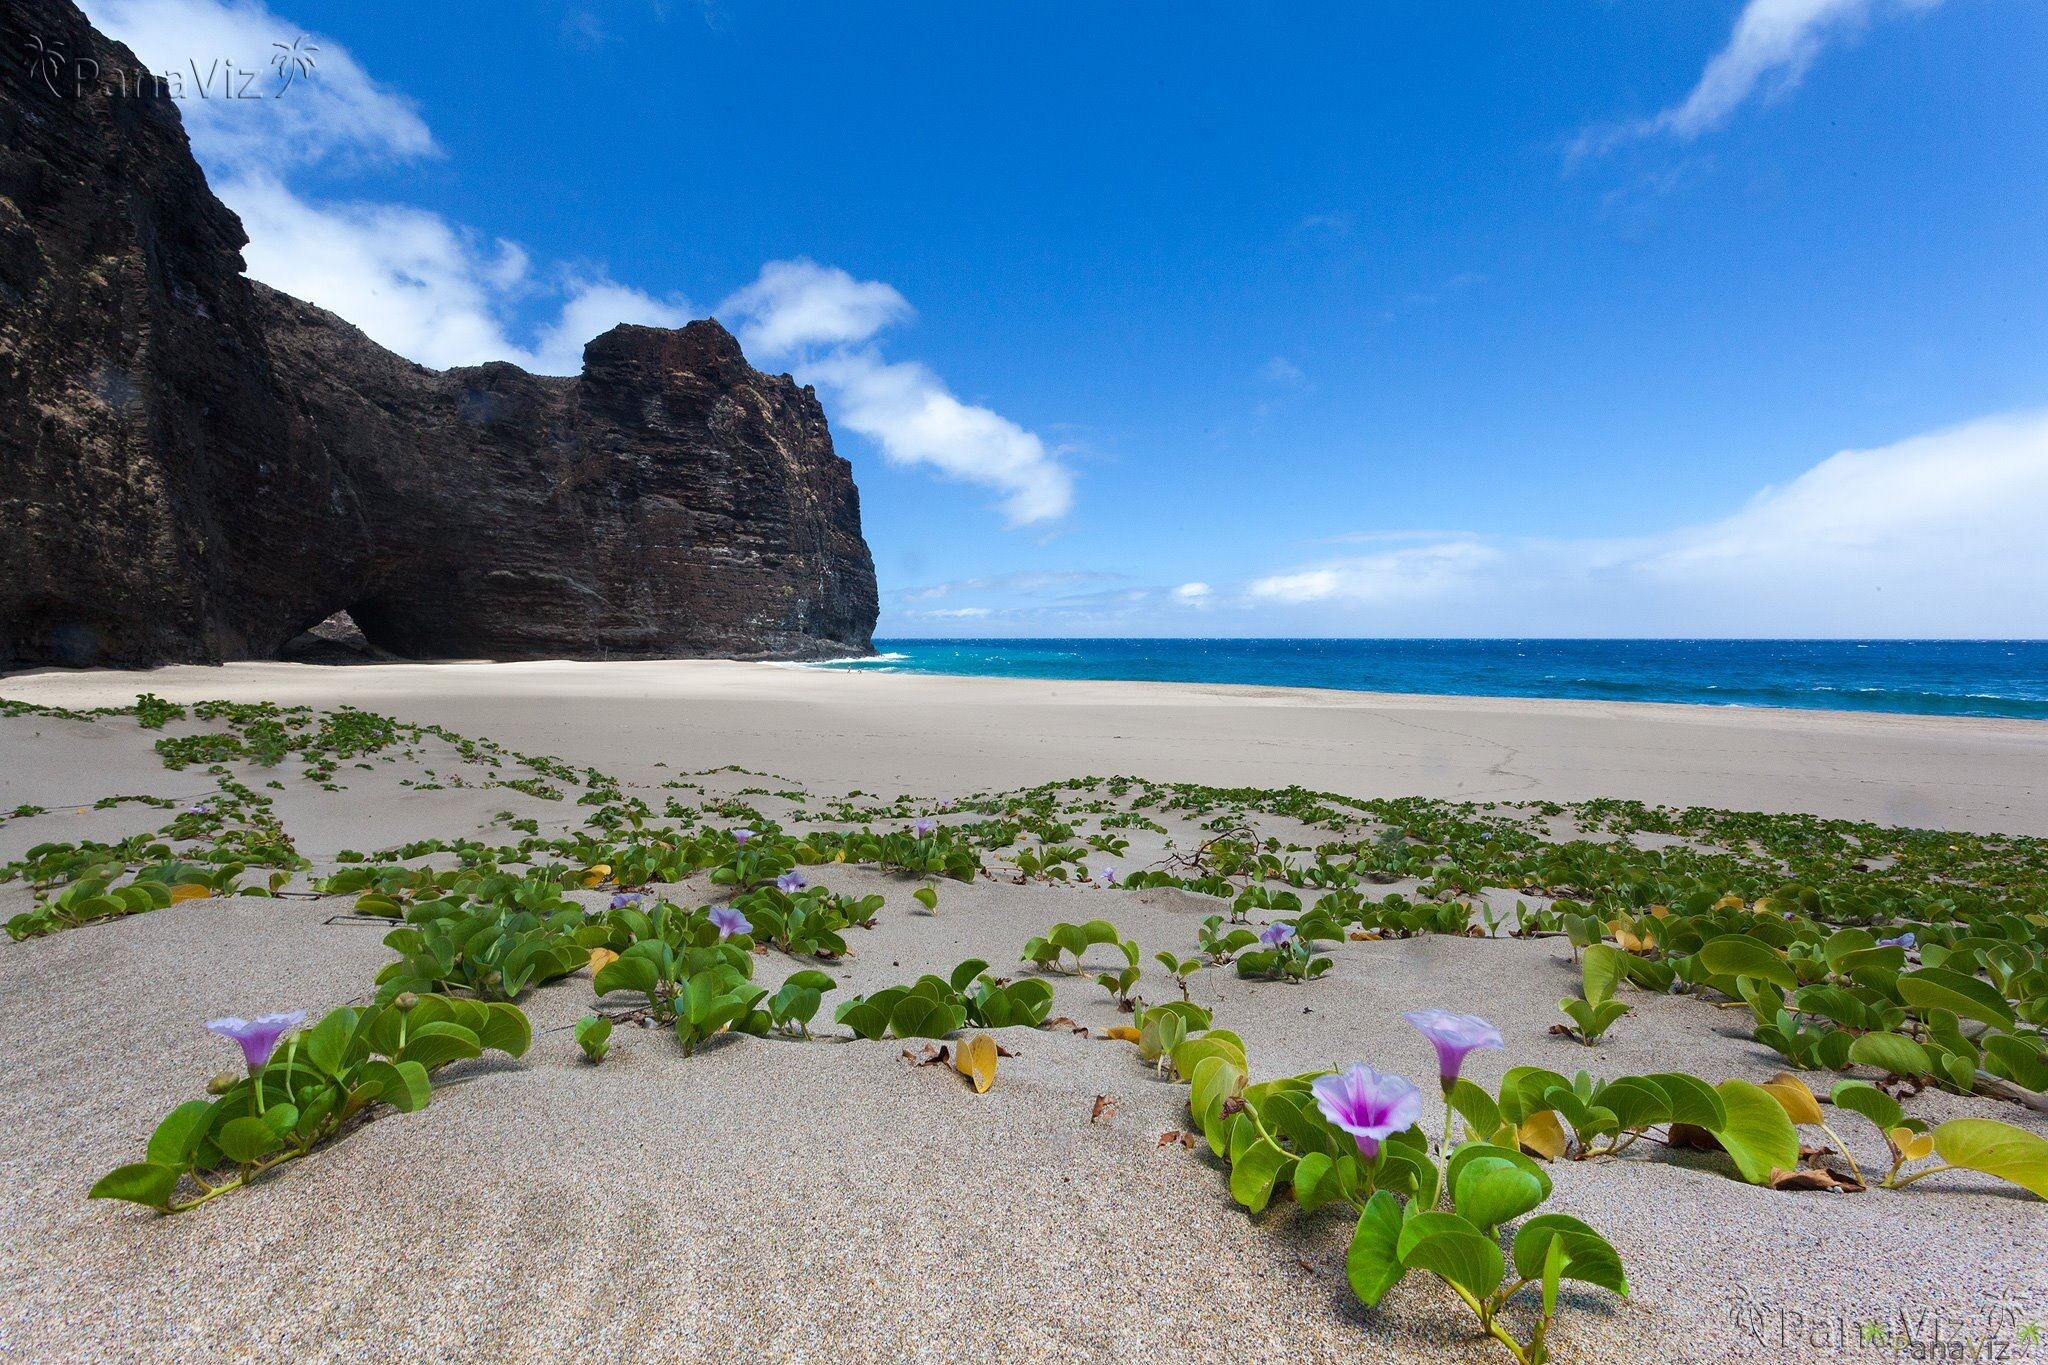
1927	677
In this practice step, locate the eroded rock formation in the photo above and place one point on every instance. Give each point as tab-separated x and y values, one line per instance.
195	467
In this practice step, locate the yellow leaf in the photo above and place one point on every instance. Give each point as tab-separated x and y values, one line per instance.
1797	1101
1364	936
190	891
1123	1032
1728	903
840	856
595	874
1542	1135
1913	1145
1661	911
975	1059
600	958
1629	941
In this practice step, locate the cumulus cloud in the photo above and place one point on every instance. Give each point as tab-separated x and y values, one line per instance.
432	290
1193	594
1773	46
822	321
797	304
335	110
428	289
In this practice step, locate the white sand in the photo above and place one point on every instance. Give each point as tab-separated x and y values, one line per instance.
825	1201
838	728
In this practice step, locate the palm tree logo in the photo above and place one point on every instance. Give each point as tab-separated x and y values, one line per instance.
293	62
44	62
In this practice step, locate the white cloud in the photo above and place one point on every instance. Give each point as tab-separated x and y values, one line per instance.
445	295
1955	505
336	110
1935	536
822	320
951	614
798	304
1193	594
1773	45
422	286
1389	576
429	289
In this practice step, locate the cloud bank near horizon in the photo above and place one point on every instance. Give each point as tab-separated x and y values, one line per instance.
1935	535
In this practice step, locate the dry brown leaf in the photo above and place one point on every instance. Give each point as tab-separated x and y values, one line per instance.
1818	1179
1364	936
1105	1108
1123	1033
976	1060
1173	1135
1692	1136
600	958
928	1055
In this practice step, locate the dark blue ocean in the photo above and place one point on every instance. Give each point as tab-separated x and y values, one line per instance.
1926	677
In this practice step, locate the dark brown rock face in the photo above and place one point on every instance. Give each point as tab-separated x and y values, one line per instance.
195	467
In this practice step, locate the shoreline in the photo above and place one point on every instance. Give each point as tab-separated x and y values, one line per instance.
960	733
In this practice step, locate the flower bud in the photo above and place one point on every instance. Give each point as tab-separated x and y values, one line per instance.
222	1083
405	1000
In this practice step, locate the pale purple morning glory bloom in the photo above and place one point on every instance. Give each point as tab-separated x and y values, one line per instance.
1454	1035
625	898
1367	1104
201	809
924	828
1108	876
945	805
1276	935
1905	940
790	883
740	836
729	921
259	1036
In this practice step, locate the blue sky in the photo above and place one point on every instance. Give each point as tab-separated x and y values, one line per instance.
1350	319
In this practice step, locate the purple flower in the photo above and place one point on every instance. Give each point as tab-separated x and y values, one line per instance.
923	829
258	1036
201	809
1367	1104
1905	940
1276	935
1107	876
1454	1035
625	898
729	921
789	883
740	836
946	805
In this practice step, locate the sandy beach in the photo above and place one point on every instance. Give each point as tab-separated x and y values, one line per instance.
830	1200
838	728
